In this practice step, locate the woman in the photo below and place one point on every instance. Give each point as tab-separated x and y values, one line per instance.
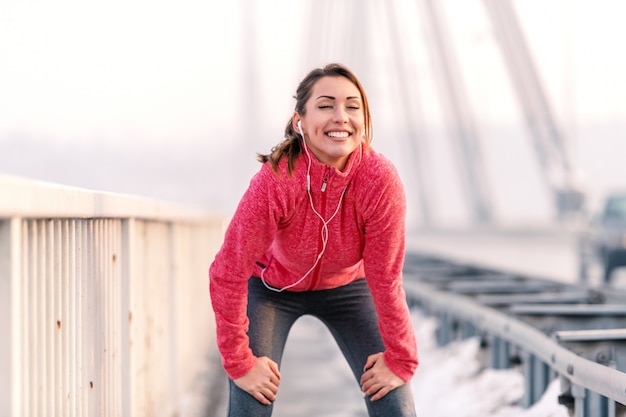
320	231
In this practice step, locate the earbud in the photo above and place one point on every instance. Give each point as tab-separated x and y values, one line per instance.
300	127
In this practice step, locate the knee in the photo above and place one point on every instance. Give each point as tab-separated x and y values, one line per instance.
398	403
242	404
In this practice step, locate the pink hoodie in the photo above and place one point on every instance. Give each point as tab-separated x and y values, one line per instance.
275	226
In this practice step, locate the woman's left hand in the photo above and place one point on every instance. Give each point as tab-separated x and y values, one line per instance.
377	379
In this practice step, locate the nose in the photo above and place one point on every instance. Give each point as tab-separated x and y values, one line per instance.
340	115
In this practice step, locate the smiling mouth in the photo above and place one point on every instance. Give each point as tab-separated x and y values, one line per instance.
338	135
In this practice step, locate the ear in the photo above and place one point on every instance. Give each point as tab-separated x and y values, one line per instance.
294	122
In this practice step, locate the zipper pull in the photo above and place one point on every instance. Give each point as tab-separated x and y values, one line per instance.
325	182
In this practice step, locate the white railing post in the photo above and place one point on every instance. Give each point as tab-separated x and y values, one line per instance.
10	328
127	256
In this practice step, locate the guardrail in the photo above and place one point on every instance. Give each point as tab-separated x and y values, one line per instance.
549	328
104	303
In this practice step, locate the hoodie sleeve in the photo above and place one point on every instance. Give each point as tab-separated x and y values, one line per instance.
383	255
248	237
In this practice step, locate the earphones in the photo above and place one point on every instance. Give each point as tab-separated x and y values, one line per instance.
324	231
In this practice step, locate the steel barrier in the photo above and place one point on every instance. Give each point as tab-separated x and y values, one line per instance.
570	342
104	301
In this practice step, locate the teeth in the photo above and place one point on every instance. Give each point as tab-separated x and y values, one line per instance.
338	134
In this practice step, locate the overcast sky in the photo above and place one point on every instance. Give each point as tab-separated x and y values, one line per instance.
171	69
133	72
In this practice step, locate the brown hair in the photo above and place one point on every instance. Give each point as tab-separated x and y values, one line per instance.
291	146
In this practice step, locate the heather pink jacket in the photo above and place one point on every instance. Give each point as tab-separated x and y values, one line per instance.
275	226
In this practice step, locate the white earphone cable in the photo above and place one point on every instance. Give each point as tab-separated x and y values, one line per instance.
324	231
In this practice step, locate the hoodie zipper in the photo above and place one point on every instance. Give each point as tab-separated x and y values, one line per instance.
325	181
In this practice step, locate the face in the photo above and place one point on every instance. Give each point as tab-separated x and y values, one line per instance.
333	122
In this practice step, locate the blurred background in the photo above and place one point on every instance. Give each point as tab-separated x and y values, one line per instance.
496	113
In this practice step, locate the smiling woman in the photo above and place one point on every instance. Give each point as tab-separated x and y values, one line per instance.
320	231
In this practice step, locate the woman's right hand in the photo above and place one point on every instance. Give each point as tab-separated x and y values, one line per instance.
262	381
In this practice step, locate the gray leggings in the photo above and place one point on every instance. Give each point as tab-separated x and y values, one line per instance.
349	314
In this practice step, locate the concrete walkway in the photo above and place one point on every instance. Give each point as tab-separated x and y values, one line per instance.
316	379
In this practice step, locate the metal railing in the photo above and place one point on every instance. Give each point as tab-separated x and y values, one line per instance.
451	292
104	301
